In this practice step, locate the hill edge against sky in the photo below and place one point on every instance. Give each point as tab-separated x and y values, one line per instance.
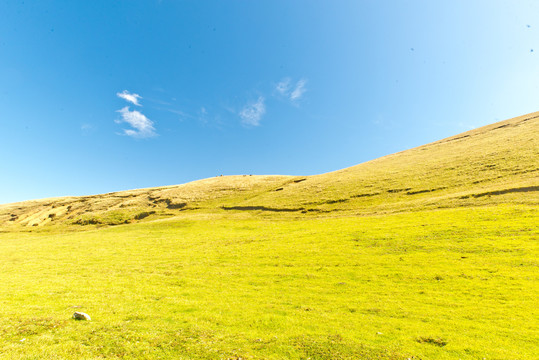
492	164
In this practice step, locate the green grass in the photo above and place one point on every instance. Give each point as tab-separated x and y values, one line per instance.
431	253
443	284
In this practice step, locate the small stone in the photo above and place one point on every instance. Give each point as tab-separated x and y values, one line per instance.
81	316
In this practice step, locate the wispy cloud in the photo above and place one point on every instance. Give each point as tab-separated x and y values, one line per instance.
291	91
252	113
132	98
283	87
87	129
182	115
299	90
142	126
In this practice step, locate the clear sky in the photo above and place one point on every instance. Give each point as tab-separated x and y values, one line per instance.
100	96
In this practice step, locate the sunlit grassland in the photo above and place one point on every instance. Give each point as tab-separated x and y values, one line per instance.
469	169
444	284
431	253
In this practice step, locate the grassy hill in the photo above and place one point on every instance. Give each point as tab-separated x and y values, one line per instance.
488	165
430	253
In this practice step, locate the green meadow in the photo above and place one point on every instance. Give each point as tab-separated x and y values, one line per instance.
431	253
444	284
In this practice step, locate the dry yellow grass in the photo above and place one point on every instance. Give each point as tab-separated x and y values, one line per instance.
489	165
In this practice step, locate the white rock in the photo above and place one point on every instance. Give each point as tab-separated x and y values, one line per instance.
81	316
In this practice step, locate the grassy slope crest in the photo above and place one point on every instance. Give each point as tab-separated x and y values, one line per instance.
488	165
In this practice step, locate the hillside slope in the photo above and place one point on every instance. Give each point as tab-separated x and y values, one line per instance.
493	164
486	165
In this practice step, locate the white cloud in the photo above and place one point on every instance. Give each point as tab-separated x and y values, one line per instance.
143	127
283	87
252	113
132	98
299	90
291	91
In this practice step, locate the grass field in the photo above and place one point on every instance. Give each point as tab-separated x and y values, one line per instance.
431	253
425	285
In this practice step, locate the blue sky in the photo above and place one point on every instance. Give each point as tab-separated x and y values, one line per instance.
99	96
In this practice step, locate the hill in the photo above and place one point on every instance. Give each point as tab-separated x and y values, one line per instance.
430	253
493	164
